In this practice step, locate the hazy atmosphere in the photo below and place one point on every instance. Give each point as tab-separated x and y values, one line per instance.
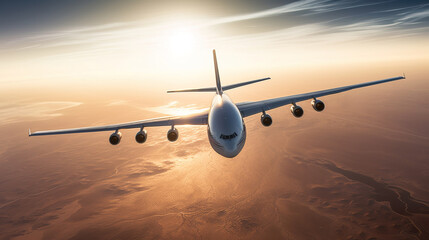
358	170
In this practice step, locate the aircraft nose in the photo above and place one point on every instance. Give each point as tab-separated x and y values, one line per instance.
230	150
230	154
230	147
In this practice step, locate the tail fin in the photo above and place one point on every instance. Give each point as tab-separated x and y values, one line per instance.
218	85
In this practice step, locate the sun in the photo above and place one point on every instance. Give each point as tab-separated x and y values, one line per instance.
181	40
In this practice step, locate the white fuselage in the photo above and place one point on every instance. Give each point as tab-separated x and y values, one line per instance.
225	128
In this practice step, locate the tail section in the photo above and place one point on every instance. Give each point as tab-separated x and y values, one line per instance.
218	89
218	85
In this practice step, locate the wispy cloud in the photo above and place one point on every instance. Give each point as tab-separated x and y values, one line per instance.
117	103
174	109
303	5
125	30
95	40
317	6
414	16
19	112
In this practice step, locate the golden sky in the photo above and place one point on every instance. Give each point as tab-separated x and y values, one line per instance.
172	49
66	64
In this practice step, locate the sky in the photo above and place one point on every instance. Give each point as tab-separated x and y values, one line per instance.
335	174
115	42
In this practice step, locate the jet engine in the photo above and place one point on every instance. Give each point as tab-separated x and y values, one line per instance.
172	134
141	136
297	111
115	138
318	105
266	120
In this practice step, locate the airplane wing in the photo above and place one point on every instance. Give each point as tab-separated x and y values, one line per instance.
246	109
251	108
195	119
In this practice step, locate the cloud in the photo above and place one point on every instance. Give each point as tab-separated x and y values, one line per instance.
172	108
117	103
317	6
18	112
319	24
123	30
291	7
415	16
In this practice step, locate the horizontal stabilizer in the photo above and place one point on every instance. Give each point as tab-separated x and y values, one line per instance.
243	83
213	89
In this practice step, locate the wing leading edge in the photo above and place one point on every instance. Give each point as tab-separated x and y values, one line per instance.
251	108
196	119
246	109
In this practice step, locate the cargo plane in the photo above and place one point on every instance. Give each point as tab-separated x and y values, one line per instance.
225	126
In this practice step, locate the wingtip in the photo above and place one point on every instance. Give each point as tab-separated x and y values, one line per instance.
403	75
29	132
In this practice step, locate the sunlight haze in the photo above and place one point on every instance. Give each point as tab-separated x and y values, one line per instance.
357	170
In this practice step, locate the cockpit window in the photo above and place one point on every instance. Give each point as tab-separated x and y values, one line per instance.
223	136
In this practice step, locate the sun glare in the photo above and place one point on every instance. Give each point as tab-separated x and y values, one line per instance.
181	40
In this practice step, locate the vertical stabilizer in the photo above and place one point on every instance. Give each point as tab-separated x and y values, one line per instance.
218	85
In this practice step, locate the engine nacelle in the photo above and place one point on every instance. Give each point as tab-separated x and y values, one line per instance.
297	111
115	138
318	105
172	134
266	120
141	136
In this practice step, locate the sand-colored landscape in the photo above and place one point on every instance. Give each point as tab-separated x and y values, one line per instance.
358	170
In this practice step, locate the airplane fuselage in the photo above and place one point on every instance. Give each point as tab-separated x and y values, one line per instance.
225	128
